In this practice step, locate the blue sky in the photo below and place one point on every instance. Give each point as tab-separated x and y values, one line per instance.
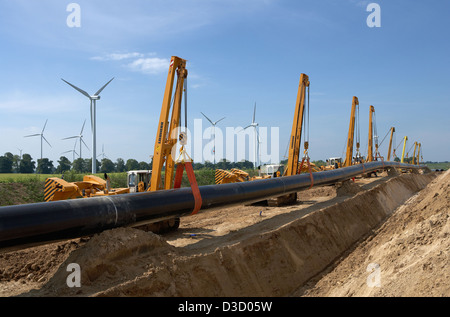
238	53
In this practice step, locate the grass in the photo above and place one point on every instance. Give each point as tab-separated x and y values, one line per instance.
443	165
19	178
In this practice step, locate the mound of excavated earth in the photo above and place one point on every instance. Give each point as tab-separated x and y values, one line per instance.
408	255
366	238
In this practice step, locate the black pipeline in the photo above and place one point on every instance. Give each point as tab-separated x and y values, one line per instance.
33	224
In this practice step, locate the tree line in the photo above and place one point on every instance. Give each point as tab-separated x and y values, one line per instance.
10	163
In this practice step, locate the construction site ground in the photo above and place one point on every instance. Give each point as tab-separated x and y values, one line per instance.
380	236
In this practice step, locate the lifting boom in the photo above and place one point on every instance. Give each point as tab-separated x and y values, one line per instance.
370	144
390	144
404	148
292	167
351	134
165	143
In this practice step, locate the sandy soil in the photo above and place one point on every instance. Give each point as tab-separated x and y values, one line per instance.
321	246
408	255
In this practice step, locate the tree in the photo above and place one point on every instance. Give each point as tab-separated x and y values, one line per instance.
107	166
5	164
79	165
16	164
27	165
132	164
120	165
224	164
64	165
45	166
144	166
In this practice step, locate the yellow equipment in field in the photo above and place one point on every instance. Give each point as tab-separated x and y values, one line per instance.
91	186
233	176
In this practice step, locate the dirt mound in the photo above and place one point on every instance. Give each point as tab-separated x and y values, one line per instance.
120	254
31	268
408	255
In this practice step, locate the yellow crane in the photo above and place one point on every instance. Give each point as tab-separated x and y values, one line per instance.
390	144
414	153
405	139
418	154
370	144
351	134
166	136
293	166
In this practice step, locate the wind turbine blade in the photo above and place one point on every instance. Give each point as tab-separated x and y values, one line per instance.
245	128
83	127
100	90
219	120
254	114
27	136
72	137
46	141
75	87
66	152
44	126
207	118
85	144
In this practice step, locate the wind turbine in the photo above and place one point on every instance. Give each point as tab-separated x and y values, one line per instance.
41	135
103	152
73	152
214	132
79	137
93	100
255	127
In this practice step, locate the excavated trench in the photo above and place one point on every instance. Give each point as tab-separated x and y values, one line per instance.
259	256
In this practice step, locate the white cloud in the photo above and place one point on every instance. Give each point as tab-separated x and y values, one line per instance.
146	63
117	56
152	65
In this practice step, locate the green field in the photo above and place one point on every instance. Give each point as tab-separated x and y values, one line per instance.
441	165
17	178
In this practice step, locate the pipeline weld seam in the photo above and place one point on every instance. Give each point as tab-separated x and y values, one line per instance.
115	208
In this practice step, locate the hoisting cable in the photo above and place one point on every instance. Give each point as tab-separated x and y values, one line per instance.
306	144
385	136
375	137
184	161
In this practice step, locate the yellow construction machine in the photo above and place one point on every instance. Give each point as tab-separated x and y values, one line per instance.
354	116
332	163
233	176
91	186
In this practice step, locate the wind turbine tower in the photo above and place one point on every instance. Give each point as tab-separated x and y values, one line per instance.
255	127
93	100
214	132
